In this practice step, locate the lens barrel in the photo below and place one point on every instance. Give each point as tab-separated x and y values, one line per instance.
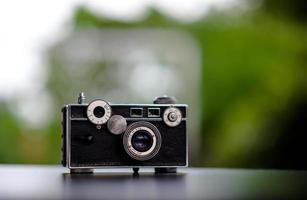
142	140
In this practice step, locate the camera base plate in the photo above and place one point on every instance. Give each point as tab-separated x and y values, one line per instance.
165	170
81	171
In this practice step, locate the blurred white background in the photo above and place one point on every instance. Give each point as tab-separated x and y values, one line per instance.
27	28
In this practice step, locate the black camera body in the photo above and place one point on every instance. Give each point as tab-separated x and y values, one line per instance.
100	135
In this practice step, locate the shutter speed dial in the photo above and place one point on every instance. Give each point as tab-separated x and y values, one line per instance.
99	112
172	116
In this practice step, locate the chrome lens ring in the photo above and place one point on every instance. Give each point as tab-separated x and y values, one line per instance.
145	127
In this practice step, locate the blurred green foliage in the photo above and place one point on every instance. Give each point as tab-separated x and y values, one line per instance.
293	9
9	129
253	76
253	73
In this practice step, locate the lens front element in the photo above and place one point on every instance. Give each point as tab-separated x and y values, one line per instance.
142	140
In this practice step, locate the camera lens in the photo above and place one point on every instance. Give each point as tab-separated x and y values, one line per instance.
141	141
99	112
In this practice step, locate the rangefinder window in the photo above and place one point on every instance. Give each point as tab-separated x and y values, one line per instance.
153	112
136	112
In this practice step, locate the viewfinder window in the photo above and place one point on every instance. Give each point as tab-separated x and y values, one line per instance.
136	112
153	112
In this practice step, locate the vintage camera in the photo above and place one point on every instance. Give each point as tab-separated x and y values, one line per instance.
101	134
